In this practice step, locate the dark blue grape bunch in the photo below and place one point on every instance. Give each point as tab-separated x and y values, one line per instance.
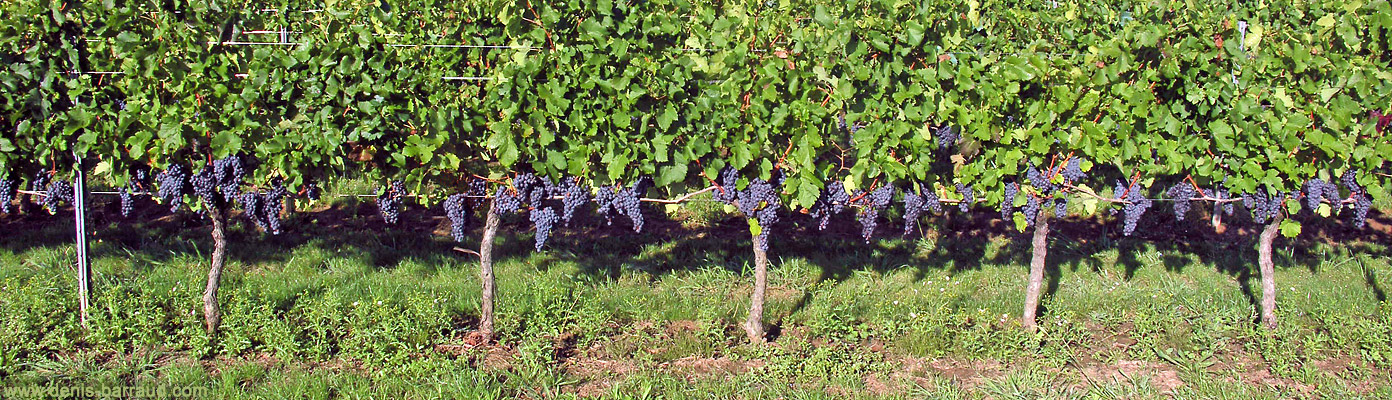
574	194
1181	194
628	201
312	191
930	200
1318	191
8	188
229	173
832	201
389	201
1221	194
1008	202
1073	171
605	200
507	200
946	136
173	182
457	210
1134	206
476	192
273	204
1060	205
127	200
1039	180
841	121
913	207
1265	206
871	203
58	191
205	186
252	209
968	197
1031	209
544	219
1361	201
726	182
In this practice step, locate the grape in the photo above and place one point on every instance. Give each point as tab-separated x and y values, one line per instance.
1221	193
127	202
7	194
1361	204
1350	181
1317	191
1039	181
968	197
172	184
754	197
913	206
869	214
478	189
766	216
389	201
930	199
1031	210
58	191
1060	206
628	204
574	194
507	200
1073	172
544	219
946	136
1181	193
251	205
458	214
832	201
312	191
725	185
1008	202
841	121
205	187
604	199
273	203
1135	206
229	172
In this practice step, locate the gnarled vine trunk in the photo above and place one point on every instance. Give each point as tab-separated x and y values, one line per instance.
1268	271
754	326
1036	273
490	229
212	317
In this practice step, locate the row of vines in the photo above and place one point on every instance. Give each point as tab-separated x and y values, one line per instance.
779	108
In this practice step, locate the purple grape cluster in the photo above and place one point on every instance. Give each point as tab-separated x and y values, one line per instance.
1060	206
229	173
507	200
759	200
617	199
726	182
312	191
389	201
1264	206
946	136
173	182
1361	201
573	194
913	206
1134	205
205	186
1012	189
1221	193
264	208
127	200
831	202
871	204
476	192
1039	181
457	210
1318	191
7	194
544	219
1073	171
968	197
1181	193
1032	209
58	191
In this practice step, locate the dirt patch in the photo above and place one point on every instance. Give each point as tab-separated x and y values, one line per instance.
1162	376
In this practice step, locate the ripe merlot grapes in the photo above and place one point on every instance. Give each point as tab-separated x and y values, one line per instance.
573	195
968	197
544	219
1008	202
389	201
58	190
1181	193
946	136
1135	205
1073	172
127	201
7	194
871	204
725	185
913	206
832	201
458	214
172	184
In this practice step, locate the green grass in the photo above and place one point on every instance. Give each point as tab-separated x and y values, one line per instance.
339	308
